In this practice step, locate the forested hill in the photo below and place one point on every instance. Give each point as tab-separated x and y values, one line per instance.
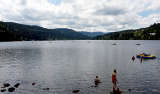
17	32
92	34
149	33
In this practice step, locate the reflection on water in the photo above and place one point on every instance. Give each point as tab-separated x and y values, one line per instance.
66	65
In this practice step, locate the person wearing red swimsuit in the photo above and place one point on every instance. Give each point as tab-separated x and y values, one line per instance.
114	79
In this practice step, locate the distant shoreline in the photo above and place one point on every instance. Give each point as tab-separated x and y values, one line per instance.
75	40
18	32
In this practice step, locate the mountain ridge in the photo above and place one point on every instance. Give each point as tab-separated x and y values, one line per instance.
149	33
10	31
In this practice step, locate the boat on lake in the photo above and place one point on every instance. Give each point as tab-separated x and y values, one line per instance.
146	56
114	44
138	44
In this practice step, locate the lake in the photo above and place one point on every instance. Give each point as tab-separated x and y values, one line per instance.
63	66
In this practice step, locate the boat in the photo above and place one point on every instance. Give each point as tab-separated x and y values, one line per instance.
146	56
138	44
114	44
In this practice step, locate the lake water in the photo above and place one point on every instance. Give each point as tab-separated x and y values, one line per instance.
64	66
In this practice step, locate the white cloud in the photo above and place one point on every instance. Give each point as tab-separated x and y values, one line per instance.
151	19
154	5
81	15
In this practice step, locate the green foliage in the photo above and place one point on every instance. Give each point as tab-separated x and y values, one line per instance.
149	33
17	32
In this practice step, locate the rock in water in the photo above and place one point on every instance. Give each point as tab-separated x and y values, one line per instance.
33	83
11	89
45	88
17	85
3	90
129	90
75	91
3	87
6	84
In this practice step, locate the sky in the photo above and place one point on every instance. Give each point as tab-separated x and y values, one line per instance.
82	15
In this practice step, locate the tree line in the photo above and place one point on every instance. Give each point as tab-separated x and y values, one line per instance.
150	33
18	32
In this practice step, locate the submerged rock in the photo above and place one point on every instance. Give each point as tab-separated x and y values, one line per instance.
75	91
129	90
17	85
92	86
6	84
3	90
3	87
45	88
11	89
33	83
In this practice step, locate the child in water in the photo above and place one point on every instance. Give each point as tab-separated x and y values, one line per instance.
133	58
97	81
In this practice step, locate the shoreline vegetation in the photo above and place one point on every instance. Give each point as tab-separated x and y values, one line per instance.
10	31
149	33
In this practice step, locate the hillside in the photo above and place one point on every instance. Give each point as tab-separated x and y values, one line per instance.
16	32
150	33
92	34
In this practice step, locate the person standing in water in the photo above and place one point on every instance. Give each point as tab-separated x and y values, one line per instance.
141	59
116	90
114	79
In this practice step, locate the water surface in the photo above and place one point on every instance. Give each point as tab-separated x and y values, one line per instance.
66	65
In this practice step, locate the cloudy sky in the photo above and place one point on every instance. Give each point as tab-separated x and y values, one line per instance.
82	15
